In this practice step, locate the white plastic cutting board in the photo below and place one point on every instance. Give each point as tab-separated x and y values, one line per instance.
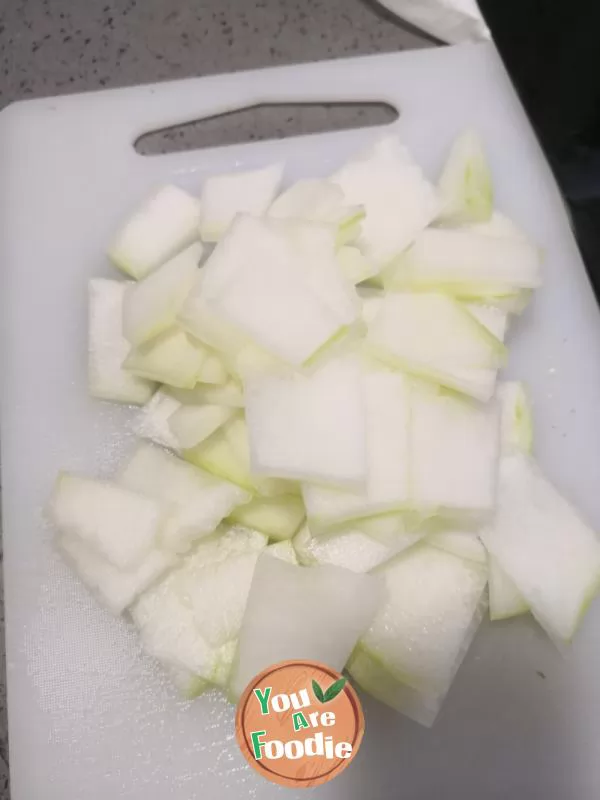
90	718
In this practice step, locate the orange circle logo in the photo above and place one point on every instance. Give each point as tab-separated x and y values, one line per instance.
299	723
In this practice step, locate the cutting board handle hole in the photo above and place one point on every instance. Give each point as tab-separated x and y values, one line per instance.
265	121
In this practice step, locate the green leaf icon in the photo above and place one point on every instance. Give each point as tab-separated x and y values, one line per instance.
331	693
318	692
334	689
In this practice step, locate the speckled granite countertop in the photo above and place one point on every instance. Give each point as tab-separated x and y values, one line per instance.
50	47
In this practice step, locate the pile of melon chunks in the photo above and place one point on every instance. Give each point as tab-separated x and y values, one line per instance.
327	465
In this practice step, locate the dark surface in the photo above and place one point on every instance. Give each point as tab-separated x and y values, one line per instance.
553	56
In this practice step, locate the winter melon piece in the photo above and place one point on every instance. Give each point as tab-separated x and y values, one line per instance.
460	262
213	370
226	454
397	200
225	196
355	266
153	420
115	588
191	424
544	547
151	306
227	394
315	245
168	630
387	409
319	614
314	200
348	547
174	358
433	605
461	543
465	185
454	454
377	681
283	550
435	337
505	599
171	615
516	422
215	581
189	685
197	501
273	303
121	525
309	428
165	224
277	517
108	348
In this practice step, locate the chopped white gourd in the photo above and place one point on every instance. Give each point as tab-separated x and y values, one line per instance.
213	370
238	356
215	581
197	315
512	303
191	425
121	525
462	543
314	200
225	196
498	225
315	245
189	685
168	630
492	318
277	517
151	306
309	428
251	361
256	283
397	530
108	348
350	548
371	676
516	423
387	410
165	224
544	547
153	420
434	604
516	435
227	394
371	303
226	454
167	618
465	185
435	337
505	599
482	380
297	613
115	588
354	265
463	263
454	454
283	550
398	202
197	501
174	358
269	297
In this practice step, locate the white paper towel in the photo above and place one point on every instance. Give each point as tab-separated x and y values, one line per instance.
449	20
